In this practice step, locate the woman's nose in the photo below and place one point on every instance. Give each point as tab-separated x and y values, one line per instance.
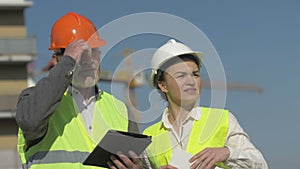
190	79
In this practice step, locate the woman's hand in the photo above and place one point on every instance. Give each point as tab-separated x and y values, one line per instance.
208	157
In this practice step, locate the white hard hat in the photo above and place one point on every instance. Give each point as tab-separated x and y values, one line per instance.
167	51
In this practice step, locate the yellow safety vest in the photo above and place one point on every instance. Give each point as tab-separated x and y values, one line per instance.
209	131
67	142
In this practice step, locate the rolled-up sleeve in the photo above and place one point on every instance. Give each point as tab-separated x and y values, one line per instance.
243	154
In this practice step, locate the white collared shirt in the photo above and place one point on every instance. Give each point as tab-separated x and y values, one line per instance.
85	108
181	139
243	154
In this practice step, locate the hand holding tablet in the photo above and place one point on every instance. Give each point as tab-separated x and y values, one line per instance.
114	142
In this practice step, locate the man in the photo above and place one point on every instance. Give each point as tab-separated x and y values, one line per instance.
65	115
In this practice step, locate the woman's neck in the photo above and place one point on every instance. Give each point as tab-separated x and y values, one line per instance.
177	113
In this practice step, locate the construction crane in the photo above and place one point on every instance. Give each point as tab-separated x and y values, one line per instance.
131	82
124	76
232	86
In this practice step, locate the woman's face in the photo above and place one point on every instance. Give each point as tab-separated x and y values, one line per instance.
182	83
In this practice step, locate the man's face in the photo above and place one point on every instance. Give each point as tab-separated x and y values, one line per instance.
88	72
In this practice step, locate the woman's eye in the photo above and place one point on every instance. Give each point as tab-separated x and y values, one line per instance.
180	76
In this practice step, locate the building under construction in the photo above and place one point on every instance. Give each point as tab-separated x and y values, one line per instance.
16	51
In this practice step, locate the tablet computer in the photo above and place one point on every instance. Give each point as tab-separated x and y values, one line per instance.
117	141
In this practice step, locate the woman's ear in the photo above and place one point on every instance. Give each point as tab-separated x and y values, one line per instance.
162	86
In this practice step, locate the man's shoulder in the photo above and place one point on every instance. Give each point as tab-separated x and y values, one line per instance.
106	98
154	129
103	94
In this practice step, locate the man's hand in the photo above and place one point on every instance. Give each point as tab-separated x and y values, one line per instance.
208	157
77	48
134	162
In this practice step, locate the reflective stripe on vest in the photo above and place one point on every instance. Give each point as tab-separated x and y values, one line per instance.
67	136
59	156
209	131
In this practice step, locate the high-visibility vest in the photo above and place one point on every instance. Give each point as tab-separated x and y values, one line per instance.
67	142
209	131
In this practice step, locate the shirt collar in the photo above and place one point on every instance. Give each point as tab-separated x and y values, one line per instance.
194	114
72	91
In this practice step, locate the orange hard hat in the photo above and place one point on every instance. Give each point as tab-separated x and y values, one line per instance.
73	26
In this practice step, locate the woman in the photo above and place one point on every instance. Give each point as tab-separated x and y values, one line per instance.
213	137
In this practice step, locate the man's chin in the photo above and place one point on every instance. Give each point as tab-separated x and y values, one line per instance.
82	86
88	82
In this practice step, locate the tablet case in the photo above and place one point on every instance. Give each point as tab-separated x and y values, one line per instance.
117	141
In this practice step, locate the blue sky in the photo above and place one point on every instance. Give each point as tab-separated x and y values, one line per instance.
258	43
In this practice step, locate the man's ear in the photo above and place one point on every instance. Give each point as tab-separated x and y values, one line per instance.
162	86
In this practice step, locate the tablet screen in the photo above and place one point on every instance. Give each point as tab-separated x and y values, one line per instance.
117	141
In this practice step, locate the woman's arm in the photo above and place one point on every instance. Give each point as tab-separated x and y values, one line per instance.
243	154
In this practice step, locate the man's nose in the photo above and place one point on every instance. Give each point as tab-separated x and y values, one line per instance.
86	57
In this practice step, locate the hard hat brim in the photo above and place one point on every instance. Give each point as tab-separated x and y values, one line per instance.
92	43
96	43
197	54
